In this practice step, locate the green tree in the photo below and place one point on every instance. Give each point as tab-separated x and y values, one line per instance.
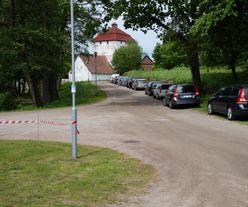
35	41
162	15
171	53
225	24
127	58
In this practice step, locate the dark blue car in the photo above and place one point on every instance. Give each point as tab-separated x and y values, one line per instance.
231	101
183	94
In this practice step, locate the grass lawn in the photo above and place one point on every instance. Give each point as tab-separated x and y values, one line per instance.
212	80
87	93
43	174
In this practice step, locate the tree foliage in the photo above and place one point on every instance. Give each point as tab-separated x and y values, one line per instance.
162	16
171	53
225	25
219	24
127	58
35	42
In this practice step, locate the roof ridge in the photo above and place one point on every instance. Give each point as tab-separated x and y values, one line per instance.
113	34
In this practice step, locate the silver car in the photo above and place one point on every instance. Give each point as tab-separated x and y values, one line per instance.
139	84
160	90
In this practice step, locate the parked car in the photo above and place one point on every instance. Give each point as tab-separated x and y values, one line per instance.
116	79
160	90
131	81
231	101
139	84
121	80
184	94
153	86
113	77
150	86
126	82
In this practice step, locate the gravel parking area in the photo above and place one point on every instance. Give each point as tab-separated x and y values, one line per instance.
200	160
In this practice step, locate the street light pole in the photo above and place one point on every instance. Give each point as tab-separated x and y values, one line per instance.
73	89
96	68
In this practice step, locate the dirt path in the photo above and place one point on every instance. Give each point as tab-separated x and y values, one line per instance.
201	160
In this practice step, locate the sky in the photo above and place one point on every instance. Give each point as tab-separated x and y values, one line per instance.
147	41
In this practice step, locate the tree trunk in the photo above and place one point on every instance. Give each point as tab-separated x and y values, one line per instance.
49	87
194	65
34	87
234	73
232	59
45	90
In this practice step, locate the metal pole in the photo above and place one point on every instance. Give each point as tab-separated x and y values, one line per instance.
73	89
96	68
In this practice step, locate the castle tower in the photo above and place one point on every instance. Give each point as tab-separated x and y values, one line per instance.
106	43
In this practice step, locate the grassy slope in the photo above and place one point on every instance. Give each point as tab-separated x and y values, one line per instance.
86	93
212	78
43	174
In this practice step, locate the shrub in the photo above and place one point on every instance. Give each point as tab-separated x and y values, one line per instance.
7	101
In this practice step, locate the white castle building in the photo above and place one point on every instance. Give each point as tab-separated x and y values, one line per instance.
98	65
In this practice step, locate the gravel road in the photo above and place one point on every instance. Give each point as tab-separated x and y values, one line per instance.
201	160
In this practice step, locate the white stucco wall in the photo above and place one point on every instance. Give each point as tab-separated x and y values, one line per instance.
107	48
83	74
81	71
100	77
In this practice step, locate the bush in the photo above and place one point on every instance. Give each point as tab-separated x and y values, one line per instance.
7	101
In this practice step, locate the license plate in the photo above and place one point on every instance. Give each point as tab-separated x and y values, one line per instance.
187	96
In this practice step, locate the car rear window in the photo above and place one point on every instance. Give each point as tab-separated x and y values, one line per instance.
235	92
186	89
165	86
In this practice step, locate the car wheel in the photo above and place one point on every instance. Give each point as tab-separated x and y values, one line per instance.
210	109
230	114
171	105
164	102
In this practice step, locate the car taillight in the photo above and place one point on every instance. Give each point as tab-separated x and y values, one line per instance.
175	93
241	98
197	93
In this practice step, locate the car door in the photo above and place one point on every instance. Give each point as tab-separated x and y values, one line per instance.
159	91
223	100
234	95
169	94
215	101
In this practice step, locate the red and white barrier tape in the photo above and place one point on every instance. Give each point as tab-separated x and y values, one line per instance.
41	121
17	122
54	123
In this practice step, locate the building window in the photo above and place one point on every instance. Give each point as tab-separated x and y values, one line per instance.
107	42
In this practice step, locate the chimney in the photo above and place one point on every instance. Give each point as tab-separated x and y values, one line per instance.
114	25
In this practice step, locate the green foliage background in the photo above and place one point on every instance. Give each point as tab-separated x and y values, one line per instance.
127	58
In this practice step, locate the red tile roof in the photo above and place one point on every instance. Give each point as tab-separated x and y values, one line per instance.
147	63
146	60
113	34
102	67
